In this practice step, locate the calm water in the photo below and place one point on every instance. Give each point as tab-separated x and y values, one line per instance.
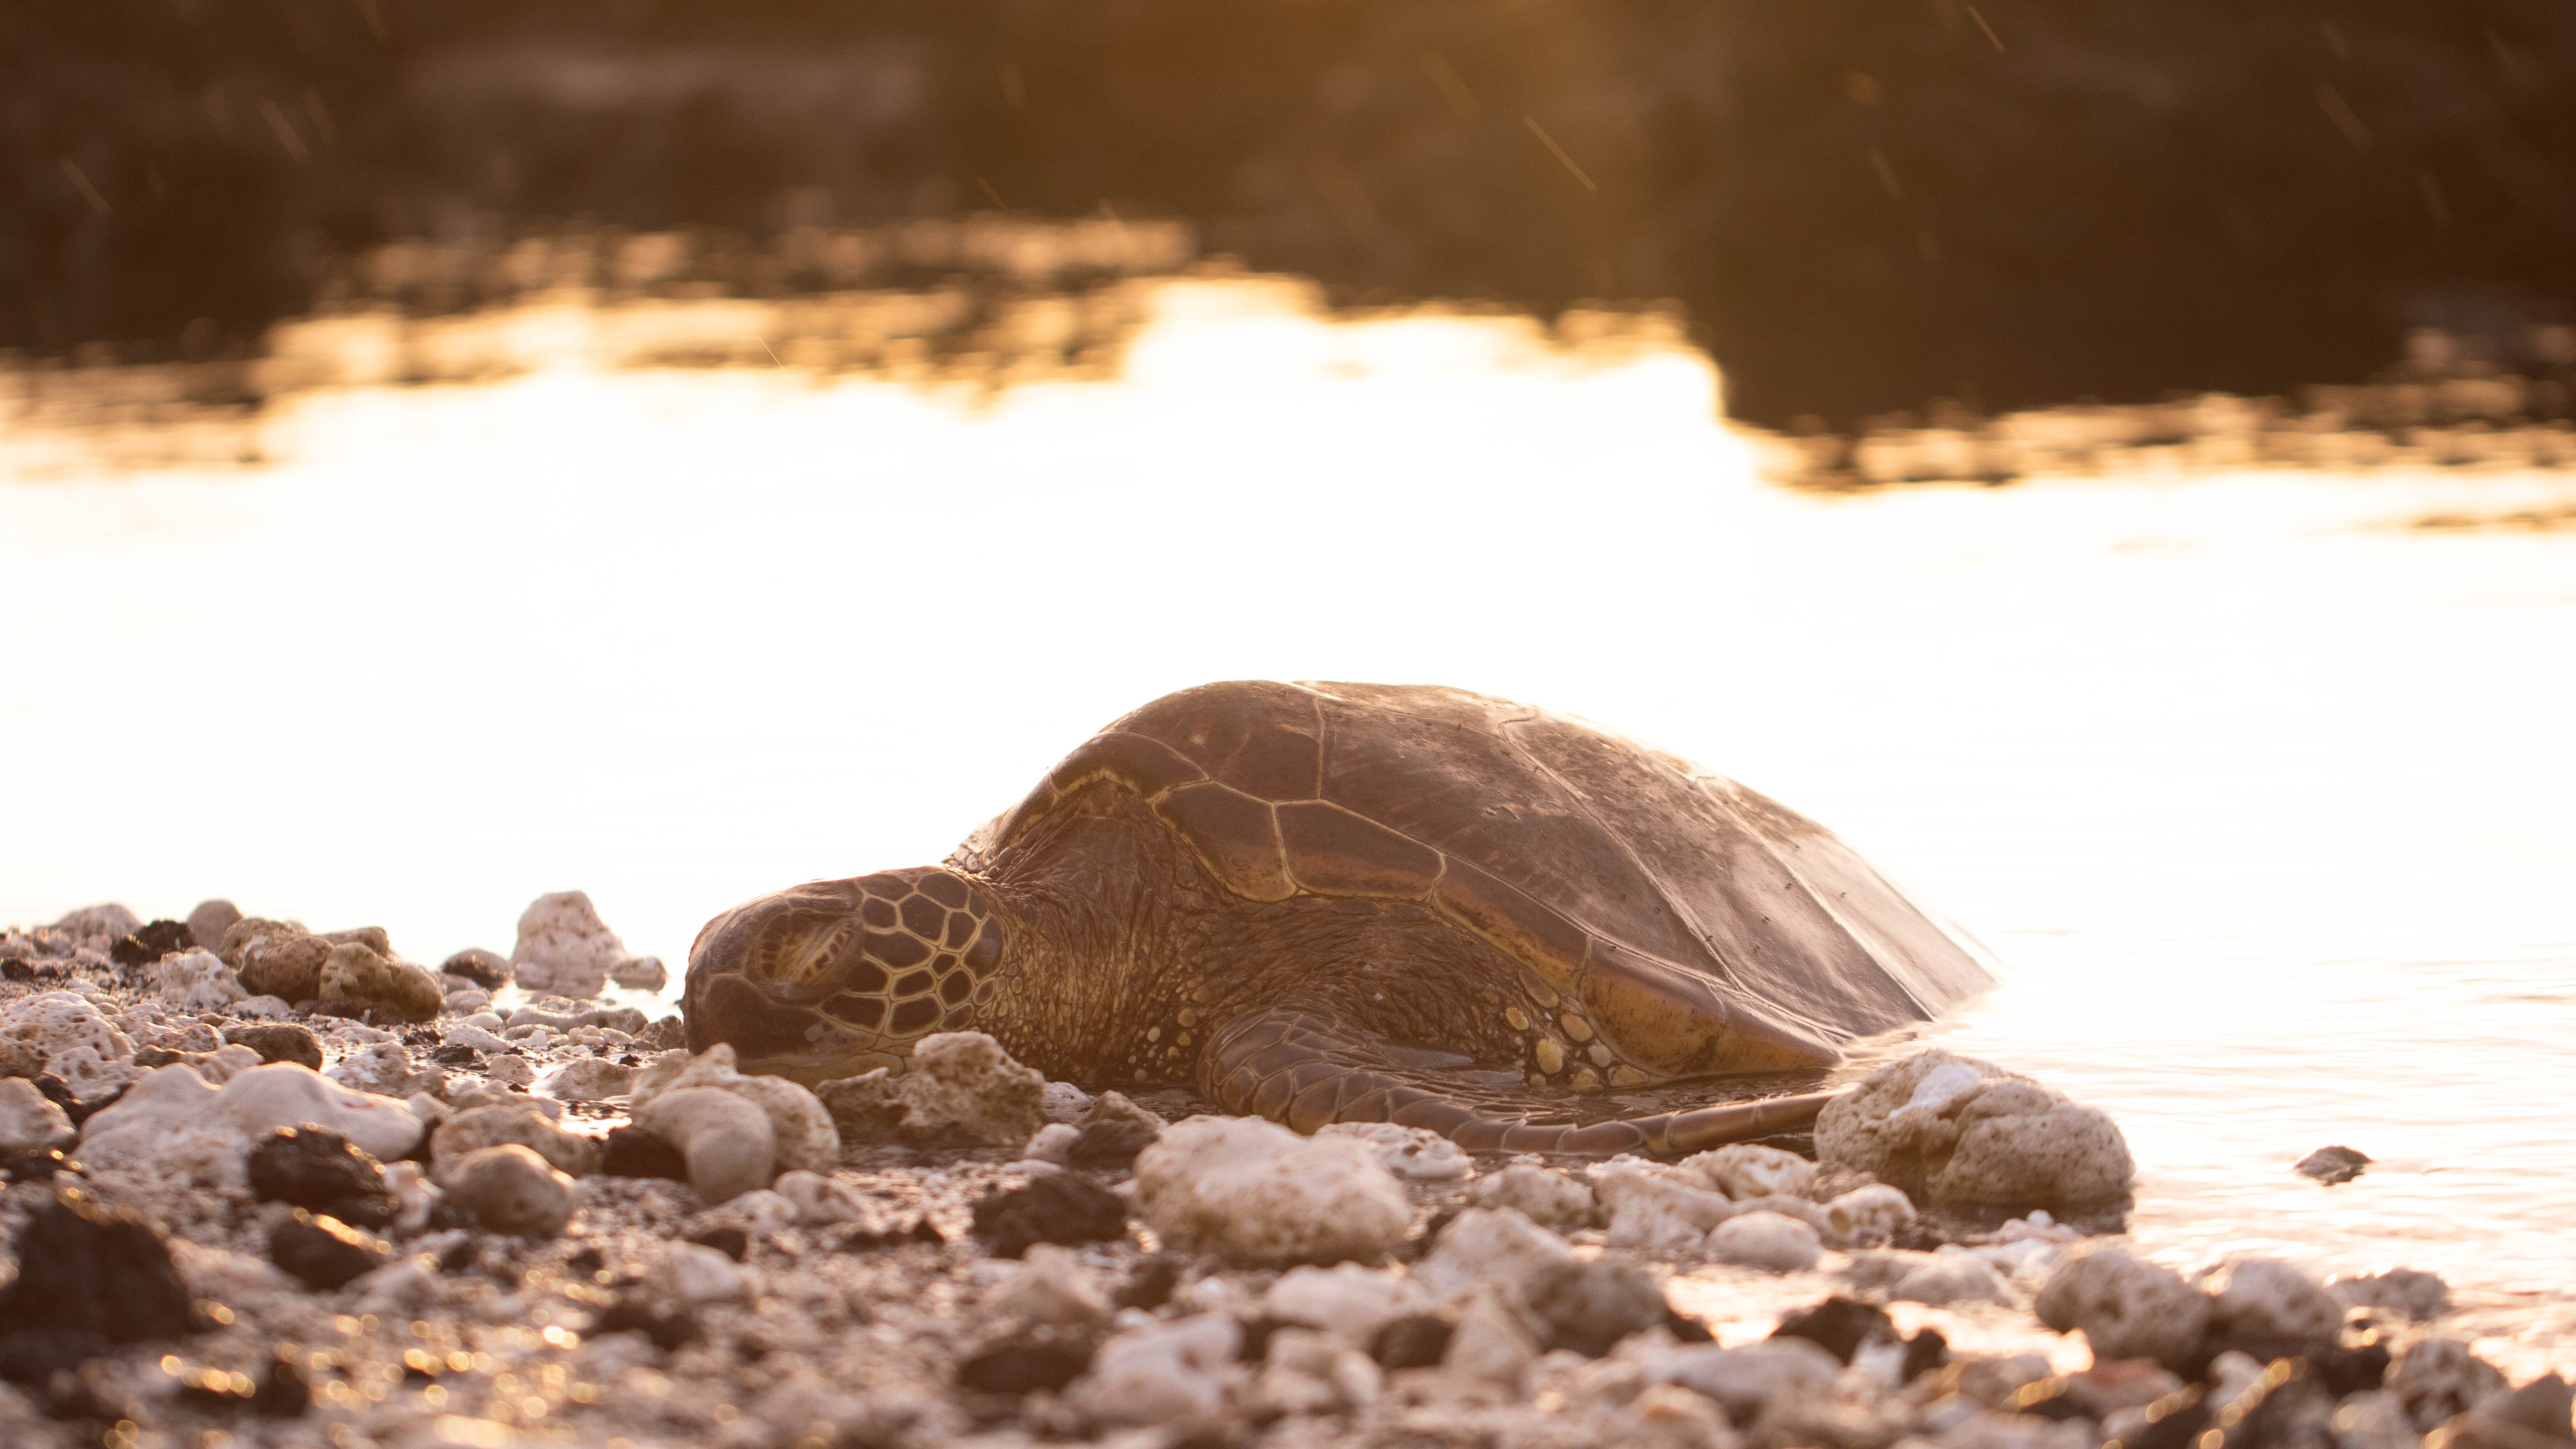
2266	800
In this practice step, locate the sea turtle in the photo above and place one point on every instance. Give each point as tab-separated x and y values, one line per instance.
1356	902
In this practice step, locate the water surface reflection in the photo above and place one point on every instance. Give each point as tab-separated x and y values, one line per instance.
2263	795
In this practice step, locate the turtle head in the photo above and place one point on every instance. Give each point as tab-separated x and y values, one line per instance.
836	977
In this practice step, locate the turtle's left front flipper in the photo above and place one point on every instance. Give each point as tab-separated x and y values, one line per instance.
1304	1068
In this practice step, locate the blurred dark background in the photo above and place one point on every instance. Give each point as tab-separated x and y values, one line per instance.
1863	204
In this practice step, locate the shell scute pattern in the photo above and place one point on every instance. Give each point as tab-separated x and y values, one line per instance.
1247	794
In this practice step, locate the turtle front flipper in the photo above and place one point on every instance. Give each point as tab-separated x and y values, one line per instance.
1305	1068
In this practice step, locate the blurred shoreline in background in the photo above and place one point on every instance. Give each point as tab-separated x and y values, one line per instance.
991	300
1861	209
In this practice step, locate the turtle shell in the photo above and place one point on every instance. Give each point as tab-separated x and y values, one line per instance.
1702	926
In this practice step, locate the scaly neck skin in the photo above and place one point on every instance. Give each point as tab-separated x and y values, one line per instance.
1074	976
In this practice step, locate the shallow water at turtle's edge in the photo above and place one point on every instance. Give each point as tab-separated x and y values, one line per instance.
2264	799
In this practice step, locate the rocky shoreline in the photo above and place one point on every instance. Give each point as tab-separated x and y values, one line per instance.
268	1186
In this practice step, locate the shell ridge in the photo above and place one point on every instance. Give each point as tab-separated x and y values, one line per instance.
1618	839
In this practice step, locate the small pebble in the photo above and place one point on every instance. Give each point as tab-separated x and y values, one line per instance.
1058	1208
320	1170
510	1189
283	1041
1110	1145
323	1252
2332	1165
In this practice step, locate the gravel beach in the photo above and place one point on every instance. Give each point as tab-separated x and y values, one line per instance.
267	1186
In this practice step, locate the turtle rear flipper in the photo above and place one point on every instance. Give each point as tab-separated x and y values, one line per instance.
1306	1068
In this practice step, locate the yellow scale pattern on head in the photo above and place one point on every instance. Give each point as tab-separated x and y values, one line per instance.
923	946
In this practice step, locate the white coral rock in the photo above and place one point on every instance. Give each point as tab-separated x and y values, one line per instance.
2126	1308
1767	1240
819	1200
195	981
801	1132
1950	1277
2267	1298
509	1124
1746	1379
1749	1169
1153	1375
2437	1378
728	1141
1409	1152
1547	1197
73	1040
961	1086
1651	1211
172	1123
1491	1342
28	1121
1257	1192
1866	1215
588	1079
1347	1301
1489	1246
564	948
696	1276
1050	1287
1950	1129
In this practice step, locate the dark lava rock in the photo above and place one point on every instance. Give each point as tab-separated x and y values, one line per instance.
1151	1285
1927	1350
1589	1307
323	1252
1258	1330
152	943
1417	1340
34	1166
869	1240
282	1041
88	1278
1040	1358
636	1314
2331	1165
486	969
1840	1326
734	1243
666	1035
209	1390
1110	1144
59	1092
634	1152
1412	1248
17	968
323	1171
1060	1207
1686	1329
282	1391
615	1018
92	1106
456	1054
2540	1410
